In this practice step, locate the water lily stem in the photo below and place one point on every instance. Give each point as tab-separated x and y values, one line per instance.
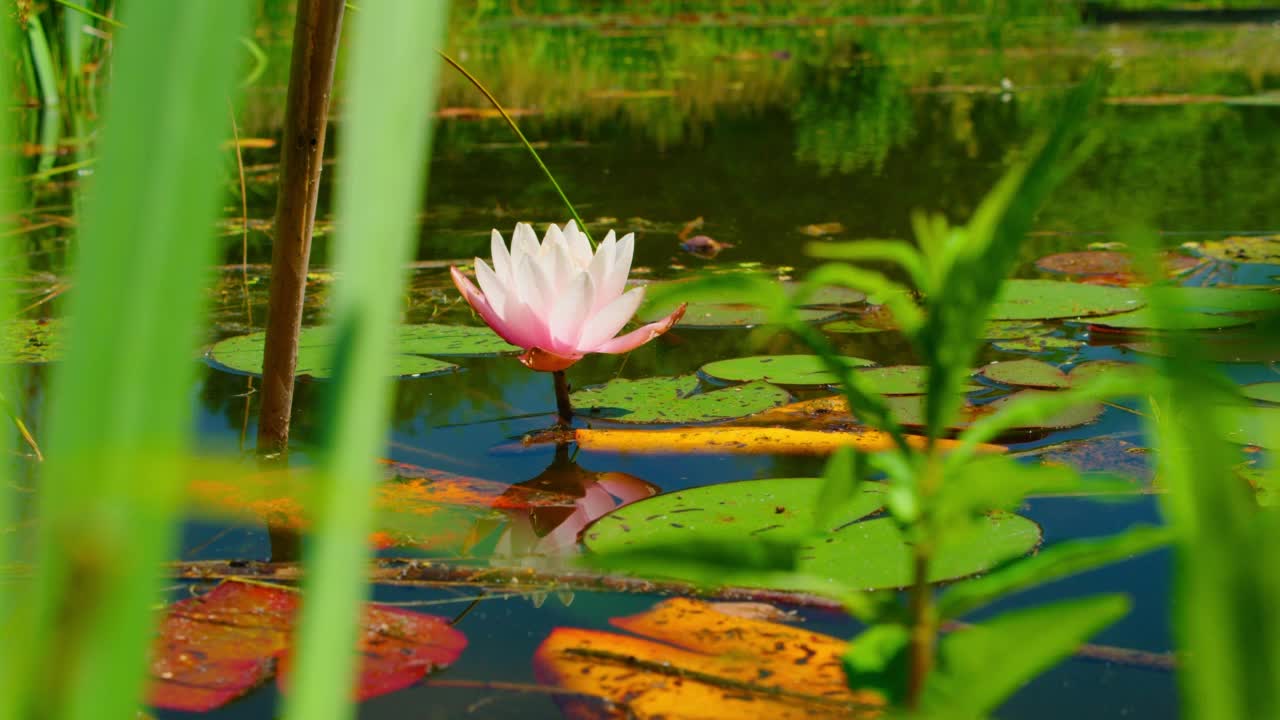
564	410
527	145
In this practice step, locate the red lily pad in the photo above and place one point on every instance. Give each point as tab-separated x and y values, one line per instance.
1108	267
217	647
1088	262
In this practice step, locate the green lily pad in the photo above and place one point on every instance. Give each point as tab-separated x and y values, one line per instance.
902	380
1038	344
453	341
1144	319
1045	376
1233	348
725	315
825	304
832	296
1013	330
908	410
795	370
1253	426
1027	373
1103	454
674	400
1251	249
1229	299
1050	299
1085	372
1266	391
32	341
413	346
857	549
851	327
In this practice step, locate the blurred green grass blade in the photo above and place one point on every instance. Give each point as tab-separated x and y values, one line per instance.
897	252
980	667
42	61
83	8
385	141
8	492
1228	584
120	406
877	660
897	297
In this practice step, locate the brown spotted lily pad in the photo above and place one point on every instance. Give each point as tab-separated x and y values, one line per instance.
687	658
1086	262
1244	249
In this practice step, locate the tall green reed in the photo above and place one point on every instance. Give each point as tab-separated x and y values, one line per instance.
386	142
1227	587
120	409
8	264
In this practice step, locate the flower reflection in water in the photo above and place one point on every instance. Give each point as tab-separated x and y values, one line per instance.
536	536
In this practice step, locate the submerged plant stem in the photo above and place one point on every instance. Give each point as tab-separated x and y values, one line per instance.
564	409
315	49
923	612
923	632
527	145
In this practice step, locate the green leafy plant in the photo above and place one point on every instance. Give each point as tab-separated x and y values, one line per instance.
936	500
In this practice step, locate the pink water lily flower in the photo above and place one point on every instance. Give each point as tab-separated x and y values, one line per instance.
558	300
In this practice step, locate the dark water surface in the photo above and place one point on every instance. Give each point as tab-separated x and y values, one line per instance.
764	129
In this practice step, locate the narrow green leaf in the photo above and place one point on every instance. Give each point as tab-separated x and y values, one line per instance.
841	480
391	80
898	252
1052	563
877	660
706	561
898	298
980	667
994	483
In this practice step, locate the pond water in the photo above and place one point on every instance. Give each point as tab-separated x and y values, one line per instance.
775	133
